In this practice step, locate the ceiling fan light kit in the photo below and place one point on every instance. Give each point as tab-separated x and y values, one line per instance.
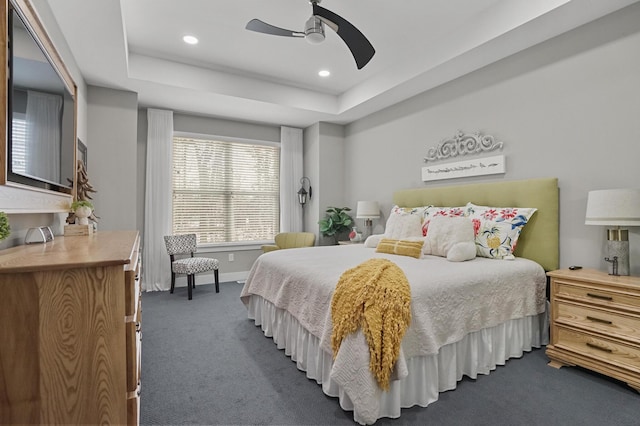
361	49
314	30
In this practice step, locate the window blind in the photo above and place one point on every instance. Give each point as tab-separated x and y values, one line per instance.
18	144
225	191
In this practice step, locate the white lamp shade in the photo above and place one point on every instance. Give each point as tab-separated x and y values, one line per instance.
368	210
613	207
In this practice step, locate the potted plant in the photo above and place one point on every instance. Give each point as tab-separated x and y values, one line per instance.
82	210
5	229
335	222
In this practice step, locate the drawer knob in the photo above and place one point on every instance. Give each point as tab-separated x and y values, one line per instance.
600	348
598	320
599	296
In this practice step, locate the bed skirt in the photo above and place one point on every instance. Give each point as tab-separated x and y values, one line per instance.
477	353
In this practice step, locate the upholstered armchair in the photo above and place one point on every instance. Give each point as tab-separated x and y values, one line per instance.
286	240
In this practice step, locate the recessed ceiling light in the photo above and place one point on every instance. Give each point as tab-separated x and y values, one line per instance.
189	39
324	73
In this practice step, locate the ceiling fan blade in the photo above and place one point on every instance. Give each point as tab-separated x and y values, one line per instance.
262	27
361	49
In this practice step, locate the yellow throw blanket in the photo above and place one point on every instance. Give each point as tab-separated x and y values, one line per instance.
376	297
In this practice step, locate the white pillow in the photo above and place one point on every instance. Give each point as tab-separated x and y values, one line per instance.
462	251
402	227
373	240
447	234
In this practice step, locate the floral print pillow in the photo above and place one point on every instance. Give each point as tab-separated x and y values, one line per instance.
497	229
408	210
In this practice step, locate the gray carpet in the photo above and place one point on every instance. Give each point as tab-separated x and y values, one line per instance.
204	362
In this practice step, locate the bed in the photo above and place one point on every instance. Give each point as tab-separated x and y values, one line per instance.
458	327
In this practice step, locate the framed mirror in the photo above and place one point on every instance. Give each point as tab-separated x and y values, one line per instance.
82	153
40	112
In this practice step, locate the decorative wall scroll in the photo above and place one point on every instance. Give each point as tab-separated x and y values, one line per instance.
477	167
462	144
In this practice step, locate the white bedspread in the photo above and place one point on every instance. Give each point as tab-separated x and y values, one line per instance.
449	301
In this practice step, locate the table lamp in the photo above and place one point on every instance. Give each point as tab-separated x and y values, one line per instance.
368	210
615	208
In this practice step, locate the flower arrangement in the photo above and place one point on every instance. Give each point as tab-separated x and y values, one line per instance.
5	229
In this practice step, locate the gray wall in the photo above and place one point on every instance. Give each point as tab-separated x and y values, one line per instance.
112	156
567	108
324	164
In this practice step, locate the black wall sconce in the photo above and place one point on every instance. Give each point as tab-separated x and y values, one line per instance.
302	193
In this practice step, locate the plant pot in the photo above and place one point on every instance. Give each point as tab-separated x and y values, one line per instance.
82	215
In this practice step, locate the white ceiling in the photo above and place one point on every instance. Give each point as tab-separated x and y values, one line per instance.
233	73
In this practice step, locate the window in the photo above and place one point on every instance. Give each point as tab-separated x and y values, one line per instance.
225	192
18	143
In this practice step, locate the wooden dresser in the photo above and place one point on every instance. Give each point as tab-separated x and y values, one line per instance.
70	333
595	323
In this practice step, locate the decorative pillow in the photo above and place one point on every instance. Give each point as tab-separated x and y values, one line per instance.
401	247
373	240
462	251
434	211
405	211
497	229
408	210
445	233
403	226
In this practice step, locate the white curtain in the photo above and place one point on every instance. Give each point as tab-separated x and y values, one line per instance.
43	132
157	204
290	175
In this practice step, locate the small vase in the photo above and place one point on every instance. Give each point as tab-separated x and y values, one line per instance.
355	236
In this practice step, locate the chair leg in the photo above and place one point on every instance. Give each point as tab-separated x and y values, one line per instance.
189	285
215	274
173	281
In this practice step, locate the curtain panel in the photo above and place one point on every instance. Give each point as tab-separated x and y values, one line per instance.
290	174
157	203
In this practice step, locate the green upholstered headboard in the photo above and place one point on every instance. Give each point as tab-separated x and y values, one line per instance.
539	240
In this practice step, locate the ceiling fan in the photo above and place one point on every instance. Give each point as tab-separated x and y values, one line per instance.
360	47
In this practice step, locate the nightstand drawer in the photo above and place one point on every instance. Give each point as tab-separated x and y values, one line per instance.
597	295
612	324
604	350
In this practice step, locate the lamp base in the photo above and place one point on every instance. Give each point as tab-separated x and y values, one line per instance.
368	228
619	250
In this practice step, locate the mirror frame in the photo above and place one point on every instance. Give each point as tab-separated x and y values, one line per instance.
37	200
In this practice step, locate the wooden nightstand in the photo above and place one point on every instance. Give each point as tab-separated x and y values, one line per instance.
595	323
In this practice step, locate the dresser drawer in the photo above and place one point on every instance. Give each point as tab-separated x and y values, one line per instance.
132	291
133	408
597	295
598	348
134	347
611	324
